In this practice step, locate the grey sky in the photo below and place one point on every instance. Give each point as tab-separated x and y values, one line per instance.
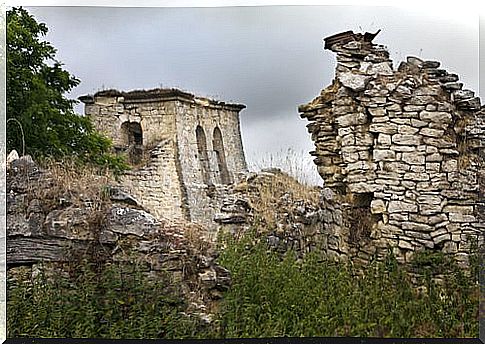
269	58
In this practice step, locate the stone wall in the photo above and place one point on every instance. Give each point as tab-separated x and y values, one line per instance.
401	148
204	197
185	150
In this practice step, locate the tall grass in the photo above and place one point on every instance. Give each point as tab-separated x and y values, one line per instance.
274	296
271	296
116	302
298	164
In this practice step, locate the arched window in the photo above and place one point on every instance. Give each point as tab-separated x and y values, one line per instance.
132	140
218	146
132	133
202	153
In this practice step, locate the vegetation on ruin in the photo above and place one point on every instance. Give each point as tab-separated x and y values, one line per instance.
40	119
271	296
274	296
94	301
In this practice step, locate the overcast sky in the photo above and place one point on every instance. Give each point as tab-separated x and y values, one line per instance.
269	58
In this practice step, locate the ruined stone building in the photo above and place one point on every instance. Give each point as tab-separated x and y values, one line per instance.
402	149
184	149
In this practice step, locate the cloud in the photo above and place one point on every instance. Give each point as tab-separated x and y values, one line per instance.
269	58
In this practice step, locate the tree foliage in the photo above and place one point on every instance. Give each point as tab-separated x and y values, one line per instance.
36	104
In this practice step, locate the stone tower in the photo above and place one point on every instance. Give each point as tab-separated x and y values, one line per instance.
403	148
184	149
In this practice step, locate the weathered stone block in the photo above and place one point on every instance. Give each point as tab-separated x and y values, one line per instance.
418	235
384	139
413	108
359	165
433	167
364	187
398	167
407	130
421	100
399	148
430	199
364	139
450	247
400	139
439	218
434	157
377	112
463	209
384	155
413	158
415	226
459	217
418	168
351	119
441	238
449	165
435	116
417	123
348	140
416	176
439	142
378	206
401	206
405	245
382	68
385	128
355	82
431	132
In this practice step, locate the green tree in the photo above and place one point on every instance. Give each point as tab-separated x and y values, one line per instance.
37	110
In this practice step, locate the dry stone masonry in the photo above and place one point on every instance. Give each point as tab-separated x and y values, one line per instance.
185	149
403	151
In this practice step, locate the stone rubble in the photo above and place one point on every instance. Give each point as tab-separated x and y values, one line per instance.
269	201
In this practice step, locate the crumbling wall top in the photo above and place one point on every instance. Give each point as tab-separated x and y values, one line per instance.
348	36
159	94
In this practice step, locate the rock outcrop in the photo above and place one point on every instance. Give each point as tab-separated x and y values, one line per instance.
52	218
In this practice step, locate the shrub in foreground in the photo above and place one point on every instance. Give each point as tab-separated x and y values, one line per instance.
115	302
271	296
274	296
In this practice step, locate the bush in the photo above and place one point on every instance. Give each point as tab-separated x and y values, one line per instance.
114	302
274	296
